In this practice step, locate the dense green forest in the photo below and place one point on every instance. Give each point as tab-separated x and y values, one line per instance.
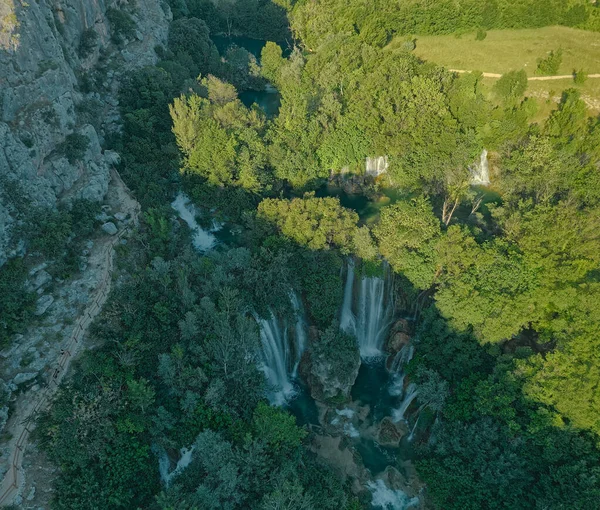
500	283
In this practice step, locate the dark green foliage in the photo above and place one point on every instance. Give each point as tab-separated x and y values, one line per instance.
74	147
511	86
190	38
549	65
480	35
16	303
49	230
87	43
121	24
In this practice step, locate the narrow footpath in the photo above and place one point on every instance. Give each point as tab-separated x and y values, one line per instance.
22	420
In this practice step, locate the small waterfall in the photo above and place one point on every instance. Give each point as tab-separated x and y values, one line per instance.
411	394
388	499
403	356
347	319
164	463
480	173
376	166
276	358
203	240
412	432
300	330
374	311
282	351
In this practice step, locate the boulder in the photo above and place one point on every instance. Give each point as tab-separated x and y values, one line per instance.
110	228
24	377
43	303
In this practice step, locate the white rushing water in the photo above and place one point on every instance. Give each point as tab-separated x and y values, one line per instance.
376	166
374	311
300	330
282	351
388	499
203	240
480	172
164	464
411	394
276	359
403	356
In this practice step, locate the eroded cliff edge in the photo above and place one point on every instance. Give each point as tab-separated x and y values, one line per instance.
60	66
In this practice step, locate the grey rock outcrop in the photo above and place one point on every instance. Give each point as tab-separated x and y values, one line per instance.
110	228
42	102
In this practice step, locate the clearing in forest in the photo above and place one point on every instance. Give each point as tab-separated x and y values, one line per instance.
507	50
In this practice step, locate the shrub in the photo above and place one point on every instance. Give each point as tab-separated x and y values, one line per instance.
122	24
480	35
16	303
579	77
87	43
74	147
512	85
49	230
550	65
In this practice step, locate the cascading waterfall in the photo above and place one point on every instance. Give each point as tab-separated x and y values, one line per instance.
347	319
300	330
282	352
480	173
276	358
411	394
374	311
403	356
164	463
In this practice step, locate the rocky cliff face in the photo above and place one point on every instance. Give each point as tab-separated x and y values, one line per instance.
50	52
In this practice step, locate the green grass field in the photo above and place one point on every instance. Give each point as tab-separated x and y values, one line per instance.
506	50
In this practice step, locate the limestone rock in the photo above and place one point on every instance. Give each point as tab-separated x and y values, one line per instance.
43	303
39	93
110	228
23	377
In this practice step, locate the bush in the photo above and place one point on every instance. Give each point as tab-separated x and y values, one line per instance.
122	24
480	35
579	77
87	43
49	230
74	147
512	85
16	303
549	66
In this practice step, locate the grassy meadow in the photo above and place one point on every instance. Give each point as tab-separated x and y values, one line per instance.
506	50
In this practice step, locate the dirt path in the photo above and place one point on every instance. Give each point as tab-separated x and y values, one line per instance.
22	420
531	78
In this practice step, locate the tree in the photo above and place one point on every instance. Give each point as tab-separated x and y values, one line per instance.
318	223
407	234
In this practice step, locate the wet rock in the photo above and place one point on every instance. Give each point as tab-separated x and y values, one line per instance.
110	228
390	433
121	216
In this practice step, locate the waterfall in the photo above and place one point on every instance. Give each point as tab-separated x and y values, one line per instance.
411	394
164	463
376	166
281	352
374	311
203	240
480	173
388	499
276	359
403	356
300	330
347	319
